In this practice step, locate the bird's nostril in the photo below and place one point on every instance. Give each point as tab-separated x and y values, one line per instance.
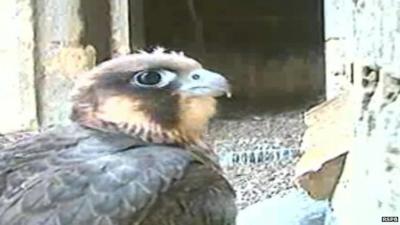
195	76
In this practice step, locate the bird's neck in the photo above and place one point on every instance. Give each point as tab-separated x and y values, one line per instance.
149	133
111	134
121	115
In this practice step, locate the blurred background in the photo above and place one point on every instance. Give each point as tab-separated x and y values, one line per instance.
315	83
271	51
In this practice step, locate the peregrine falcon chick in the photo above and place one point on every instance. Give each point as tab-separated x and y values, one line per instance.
132	155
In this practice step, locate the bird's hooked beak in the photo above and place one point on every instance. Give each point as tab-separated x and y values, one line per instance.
202	82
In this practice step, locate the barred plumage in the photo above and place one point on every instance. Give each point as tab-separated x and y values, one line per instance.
133	154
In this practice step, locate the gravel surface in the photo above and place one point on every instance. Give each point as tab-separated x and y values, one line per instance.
258	153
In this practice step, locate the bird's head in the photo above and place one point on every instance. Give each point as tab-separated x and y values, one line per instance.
161	97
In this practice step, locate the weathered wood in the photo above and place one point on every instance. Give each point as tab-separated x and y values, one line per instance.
60	57
119	13
17	95
320	184
328	138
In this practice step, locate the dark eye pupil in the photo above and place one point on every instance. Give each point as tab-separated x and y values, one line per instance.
196	76
149	78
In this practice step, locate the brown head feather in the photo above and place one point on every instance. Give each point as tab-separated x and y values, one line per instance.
105	100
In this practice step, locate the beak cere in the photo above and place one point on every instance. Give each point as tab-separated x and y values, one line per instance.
203	82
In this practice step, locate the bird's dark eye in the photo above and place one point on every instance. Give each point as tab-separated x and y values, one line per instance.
149	78
195	76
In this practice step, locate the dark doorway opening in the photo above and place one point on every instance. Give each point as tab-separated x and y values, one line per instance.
271	50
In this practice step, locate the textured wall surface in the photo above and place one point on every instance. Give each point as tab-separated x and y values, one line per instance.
46	45
371	176
17	94
369	185
362	50
338	50
60	57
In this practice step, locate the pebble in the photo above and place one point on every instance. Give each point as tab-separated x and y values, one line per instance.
276	135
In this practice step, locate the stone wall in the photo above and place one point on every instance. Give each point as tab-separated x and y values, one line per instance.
368	39
371	177
338	35
17	94
45	46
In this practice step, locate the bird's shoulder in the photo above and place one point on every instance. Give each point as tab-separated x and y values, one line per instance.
78	177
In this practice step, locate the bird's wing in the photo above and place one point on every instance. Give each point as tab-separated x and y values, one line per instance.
23	161
143	185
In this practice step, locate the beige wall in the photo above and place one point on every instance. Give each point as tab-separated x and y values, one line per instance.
370	181
44	46
17	95
364	34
